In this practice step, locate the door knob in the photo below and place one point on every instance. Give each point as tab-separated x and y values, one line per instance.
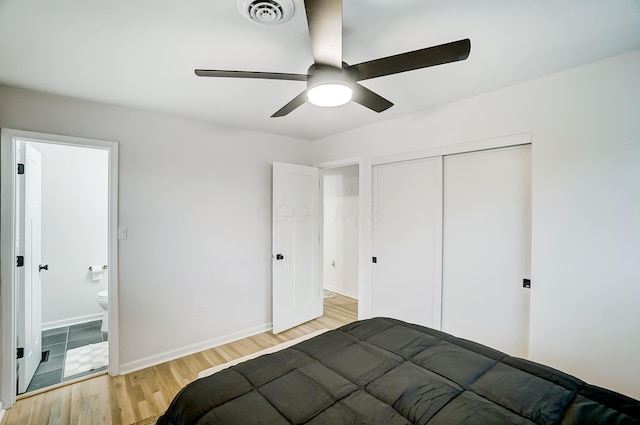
41	267
279	257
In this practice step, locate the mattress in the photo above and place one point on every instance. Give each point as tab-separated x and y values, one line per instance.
385	371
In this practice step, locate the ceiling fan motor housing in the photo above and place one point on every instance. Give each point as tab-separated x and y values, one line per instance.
268	12
323	74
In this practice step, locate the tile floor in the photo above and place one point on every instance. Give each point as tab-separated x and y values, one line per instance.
58	341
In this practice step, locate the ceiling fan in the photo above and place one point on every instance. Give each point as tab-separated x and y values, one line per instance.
330	81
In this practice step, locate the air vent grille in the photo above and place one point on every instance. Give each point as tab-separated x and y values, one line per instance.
268	12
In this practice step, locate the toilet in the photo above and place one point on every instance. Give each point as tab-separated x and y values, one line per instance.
103	298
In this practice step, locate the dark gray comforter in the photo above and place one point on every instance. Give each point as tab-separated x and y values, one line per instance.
384	371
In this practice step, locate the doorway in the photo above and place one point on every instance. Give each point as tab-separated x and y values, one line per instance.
60	328
298	240
74	231
340	230
341	221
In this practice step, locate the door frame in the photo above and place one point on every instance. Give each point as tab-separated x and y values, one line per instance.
8	293
364	244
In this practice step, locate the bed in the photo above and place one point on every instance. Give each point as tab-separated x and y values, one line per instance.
385	371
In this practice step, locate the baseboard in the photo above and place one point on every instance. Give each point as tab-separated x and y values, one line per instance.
156	359
341	292
71	321
1	412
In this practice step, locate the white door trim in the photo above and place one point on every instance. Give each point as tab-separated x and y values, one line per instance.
8	165
444	150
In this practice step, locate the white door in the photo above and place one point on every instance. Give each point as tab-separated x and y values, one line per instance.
297	294
486	249
407	241
29	290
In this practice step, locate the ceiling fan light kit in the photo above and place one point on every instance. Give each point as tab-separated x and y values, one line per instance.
330	81
330	94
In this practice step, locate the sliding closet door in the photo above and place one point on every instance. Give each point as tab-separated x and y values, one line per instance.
407	241
486	247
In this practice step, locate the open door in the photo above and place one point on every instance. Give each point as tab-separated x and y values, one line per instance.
297	294
29	247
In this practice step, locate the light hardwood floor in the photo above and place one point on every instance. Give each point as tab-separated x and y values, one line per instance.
127	399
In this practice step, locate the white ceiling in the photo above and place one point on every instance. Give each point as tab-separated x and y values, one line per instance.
142	53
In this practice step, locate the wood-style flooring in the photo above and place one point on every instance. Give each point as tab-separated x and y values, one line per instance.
127	399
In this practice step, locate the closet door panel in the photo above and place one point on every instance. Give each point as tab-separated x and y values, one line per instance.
486	247
407	241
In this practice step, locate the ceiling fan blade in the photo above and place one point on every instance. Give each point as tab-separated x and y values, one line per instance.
250	74
423	58
324	18
293	104
369	99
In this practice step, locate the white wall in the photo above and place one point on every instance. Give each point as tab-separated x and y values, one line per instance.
74	231
341	217
195	198
586	204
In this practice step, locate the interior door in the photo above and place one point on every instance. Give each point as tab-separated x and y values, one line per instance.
486	250
407	241
297	294
29	293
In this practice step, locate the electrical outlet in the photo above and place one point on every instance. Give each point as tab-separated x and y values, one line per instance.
198	306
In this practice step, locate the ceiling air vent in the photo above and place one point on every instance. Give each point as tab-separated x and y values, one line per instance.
267	12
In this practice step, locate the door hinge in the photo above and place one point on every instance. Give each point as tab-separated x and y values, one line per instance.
20	353
20	261
526	283
374	259
20	168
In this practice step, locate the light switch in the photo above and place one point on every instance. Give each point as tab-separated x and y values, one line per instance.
122	233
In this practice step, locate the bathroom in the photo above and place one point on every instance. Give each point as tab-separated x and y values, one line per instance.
74	269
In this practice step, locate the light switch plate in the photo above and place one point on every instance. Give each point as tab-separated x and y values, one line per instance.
122	233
